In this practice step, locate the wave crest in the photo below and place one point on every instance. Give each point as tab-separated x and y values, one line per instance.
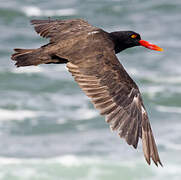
35	11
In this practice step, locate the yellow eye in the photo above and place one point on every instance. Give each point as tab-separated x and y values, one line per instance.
133	36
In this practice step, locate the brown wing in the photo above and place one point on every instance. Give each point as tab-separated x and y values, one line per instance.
96	69
57	29
115	94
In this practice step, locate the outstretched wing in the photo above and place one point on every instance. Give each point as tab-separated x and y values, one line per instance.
96	69
115	94
57	29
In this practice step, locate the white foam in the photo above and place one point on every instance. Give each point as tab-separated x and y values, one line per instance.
171	145
6	161
16	115
165	79
32	11
30	168
66	160
152	91
69	160
169	171
29	70
85	113
169	109
170	79
35	11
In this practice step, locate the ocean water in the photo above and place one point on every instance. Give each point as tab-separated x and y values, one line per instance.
48	128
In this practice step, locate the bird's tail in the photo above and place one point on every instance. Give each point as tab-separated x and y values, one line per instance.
29	57
26	57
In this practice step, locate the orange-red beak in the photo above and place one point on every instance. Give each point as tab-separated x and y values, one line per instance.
149	45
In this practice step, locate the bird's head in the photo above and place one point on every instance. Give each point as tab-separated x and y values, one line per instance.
127	39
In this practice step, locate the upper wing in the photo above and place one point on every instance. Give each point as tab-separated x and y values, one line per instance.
115	94
96	69
56	29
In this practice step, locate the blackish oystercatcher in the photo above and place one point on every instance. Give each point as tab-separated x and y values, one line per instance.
90	55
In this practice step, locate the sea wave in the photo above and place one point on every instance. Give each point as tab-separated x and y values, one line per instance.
168	79
152	91
67	160
85	168
28	70
79	103
35	11
169	109
16	115
85	113
156	78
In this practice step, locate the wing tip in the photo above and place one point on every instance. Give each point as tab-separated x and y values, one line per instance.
156	162
149	145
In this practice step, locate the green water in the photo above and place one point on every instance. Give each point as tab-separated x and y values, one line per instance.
48	128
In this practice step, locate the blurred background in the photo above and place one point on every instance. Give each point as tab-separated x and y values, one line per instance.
48	128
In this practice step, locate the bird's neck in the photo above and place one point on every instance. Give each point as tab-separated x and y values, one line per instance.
118	40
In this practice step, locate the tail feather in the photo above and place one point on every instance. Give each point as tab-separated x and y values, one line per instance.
25	57
29	57
19	52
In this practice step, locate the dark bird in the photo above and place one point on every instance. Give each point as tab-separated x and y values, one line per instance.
90	55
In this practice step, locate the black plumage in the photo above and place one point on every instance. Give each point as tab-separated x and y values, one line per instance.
90	56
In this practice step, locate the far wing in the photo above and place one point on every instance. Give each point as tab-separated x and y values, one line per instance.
115	94
58	29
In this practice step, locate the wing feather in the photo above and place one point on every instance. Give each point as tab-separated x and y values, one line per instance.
117	97
57	29
95	67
